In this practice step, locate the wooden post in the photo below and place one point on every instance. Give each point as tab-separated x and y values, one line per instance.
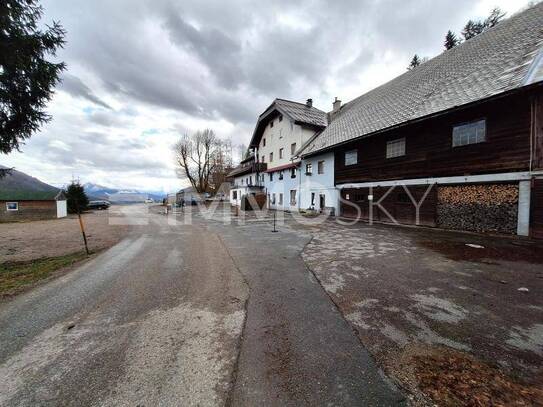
274	214
82	228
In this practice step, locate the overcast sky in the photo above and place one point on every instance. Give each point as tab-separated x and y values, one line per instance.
142	72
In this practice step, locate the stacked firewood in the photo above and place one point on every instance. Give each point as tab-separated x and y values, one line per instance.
478	208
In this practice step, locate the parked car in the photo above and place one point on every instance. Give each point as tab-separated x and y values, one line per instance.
149	200
99	205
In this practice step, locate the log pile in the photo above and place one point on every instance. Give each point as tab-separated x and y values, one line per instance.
478	208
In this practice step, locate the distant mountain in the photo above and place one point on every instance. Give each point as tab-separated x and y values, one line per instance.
98	192
17	181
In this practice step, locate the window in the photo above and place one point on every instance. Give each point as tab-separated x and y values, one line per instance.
281	151
280	175
271	123
280	117
351	157
469	133
396	148
292	148
271	176
250	180
292	197
309	169
271	157
320	167
242	181
12	206
234	195
312	199
264	142
280	198
293	172
273	198
263	159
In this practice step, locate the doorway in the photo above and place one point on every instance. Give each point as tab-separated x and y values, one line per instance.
322	201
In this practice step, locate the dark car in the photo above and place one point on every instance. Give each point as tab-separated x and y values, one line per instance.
99	205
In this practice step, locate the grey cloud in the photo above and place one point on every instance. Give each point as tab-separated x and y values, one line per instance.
75	87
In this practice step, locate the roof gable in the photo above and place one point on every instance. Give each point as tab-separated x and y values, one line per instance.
300	113
501	59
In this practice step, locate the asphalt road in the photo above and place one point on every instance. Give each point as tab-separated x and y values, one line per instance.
186	314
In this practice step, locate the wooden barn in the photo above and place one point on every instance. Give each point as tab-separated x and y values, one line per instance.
455	143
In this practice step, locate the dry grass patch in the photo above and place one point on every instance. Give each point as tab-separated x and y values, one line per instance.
17	276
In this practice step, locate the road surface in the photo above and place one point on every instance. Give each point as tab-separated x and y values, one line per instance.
186	314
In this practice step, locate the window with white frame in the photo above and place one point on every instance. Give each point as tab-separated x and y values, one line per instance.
309	169
12	206
280	198
351	157
280	175
469	133
271	176
292	148
281	153
293	172
396	148
292	197
320	167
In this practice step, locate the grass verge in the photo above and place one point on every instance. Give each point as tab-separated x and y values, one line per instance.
17	276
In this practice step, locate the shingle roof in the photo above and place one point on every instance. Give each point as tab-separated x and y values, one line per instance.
506	57
299	112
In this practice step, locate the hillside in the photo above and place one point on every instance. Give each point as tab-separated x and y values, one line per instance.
17	182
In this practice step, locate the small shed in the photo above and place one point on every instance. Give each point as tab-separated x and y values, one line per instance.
32	205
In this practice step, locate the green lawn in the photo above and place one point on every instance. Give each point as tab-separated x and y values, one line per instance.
16	276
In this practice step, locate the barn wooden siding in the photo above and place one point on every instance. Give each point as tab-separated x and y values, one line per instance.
537	209
429	151
29	210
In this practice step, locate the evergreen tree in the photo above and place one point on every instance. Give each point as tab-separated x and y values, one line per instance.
451	40
416	61
77	199
472	29
27	78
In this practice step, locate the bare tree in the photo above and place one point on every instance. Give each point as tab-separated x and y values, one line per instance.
196	156
204	160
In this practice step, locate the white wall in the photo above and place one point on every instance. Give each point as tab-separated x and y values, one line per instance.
282	135
319	184
62	210
241	187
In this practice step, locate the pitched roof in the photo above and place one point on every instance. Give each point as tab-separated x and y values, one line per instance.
506	57
28	195
299	112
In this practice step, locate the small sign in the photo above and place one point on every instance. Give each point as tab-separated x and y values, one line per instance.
370	197
347	197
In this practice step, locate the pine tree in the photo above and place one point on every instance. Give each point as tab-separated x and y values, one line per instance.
77	199
472	29
416	61
451	40
27	78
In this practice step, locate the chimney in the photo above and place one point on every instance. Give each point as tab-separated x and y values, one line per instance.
336	105
309	103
